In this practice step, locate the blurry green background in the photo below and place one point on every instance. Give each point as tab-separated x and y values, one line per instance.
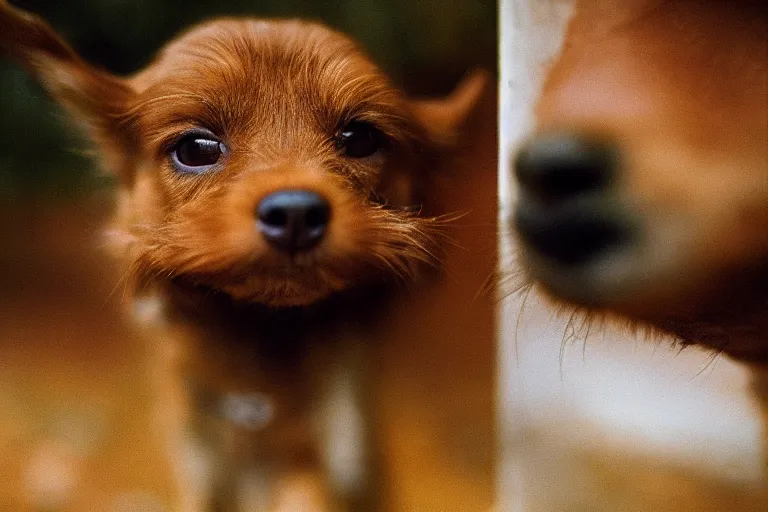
425	45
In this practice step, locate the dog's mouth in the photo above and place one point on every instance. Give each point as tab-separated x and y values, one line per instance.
300	279
293	265
581	253
614	257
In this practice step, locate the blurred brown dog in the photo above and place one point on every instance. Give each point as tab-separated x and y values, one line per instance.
644	192
270	177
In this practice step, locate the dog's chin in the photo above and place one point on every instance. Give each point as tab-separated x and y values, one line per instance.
281	291
691	313
279	294
617	281
650	274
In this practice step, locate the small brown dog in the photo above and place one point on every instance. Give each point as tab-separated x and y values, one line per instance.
269	178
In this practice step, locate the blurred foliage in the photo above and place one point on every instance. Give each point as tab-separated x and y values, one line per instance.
424	44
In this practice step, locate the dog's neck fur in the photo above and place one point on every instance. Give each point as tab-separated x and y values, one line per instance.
209	308
242	333
733	320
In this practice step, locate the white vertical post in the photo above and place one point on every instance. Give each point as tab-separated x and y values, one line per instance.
531	34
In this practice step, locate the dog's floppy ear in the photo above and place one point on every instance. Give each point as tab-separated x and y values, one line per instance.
96	98
442	119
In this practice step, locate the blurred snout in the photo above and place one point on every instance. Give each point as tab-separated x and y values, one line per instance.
568	213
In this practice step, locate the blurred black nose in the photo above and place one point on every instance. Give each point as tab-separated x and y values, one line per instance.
293	220
557	166
568	211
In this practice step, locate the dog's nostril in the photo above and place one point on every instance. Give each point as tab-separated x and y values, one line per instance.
555	166
293	220
317	217
277	218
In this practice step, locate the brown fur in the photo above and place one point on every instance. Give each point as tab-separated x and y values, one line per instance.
682	88
276	92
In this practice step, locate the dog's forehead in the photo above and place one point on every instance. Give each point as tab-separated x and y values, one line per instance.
259	50
233	73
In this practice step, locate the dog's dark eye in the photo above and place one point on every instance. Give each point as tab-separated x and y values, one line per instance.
197	152
359	139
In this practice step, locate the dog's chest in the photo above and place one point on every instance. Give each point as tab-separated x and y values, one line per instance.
258	384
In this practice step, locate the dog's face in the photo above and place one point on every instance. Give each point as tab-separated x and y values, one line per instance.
645	188
269	149
269	159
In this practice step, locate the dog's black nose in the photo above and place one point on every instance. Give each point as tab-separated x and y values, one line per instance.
293	220
557	166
